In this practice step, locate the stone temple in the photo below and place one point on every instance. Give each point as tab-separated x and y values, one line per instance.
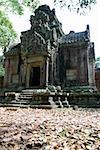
46	56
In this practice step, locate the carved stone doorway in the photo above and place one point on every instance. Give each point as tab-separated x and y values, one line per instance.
35	77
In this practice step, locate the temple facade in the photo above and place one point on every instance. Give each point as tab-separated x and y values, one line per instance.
46	56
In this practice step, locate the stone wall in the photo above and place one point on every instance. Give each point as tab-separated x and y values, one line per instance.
73	65
11	77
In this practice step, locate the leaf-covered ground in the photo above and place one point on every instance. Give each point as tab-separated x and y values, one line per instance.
54	129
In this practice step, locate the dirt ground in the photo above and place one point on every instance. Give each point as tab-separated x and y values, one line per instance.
49	129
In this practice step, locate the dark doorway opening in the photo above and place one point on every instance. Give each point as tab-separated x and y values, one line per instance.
35	76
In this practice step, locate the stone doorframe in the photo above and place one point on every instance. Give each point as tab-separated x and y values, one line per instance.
35	62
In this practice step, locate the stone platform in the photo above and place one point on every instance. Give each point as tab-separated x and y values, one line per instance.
44	98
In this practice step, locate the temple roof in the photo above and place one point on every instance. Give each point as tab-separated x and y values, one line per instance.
13	49
77	37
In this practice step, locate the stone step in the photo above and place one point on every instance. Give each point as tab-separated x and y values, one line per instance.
27	93
30	101
26	106
25	96
32	91
39	103
20	102
28	90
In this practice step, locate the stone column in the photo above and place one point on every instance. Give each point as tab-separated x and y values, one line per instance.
6	73
89	66
25	71
47	71
52	61
47	62
28	76
23	68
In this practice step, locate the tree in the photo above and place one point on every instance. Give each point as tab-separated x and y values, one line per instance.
17	6
77	5
7	33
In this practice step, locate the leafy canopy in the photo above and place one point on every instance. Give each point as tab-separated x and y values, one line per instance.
7	33
17	6
77	5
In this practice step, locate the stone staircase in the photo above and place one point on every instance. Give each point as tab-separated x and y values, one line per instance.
36	99
26	99
25	95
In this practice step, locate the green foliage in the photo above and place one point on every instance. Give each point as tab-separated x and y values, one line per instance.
77	5
17	6
11	5
32	4
7	33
